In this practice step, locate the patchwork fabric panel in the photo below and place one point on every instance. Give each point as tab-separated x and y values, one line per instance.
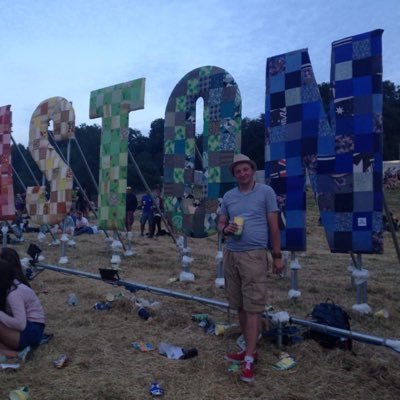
7	207
113	105
59	175
192	206
343	158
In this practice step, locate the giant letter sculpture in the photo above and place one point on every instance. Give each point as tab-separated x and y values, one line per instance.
113	104
193	210
344	160
59	175
7	208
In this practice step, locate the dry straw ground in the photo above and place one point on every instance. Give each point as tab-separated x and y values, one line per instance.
103	365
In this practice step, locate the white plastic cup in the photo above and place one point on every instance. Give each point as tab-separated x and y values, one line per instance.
72	299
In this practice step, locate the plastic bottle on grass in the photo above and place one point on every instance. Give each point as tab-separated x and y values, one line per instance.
73	299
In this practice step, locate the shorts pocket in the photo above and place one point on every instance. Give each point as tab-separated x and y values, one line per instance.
255	296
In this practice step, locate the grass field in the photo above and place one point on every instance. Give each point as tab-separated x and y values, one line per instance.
103	364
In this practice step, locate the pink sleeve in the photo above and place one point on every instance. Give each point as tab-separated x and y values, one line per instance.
18	318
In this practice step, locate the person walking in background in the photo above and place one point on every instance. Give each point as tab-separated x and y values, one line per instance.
81	202
22	318
248	218
147	214
131	206
20	204
158	209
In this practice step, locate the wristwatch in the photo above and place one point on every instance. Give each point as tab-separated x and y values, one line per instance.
276	255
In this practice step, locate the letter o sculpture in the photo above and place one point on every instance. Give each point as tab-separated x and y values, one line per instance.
190	205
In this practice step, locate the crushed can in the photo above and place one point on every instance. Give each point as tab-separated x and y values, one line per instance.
102	305
143	313
61	361
199	317
189	353
156	390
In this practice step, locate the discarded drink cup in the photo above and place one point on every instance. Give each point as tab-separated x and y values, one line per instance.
220	329
21	393
384	313
110	297
72	299
114	296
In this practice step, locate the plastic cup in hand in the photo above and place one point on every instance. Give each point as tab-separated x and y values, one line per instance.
239	221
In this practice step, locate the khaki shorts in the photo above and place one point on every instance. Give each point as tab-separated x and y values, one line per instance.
246	279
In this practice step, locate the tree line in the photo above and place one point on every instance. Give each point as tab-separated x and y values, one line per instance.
148	150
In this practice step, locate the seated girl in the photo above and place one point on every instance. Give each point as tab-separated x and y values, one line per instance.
22	319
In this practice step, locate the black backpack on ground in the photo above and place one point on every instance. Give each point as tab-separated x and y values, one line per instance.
331	314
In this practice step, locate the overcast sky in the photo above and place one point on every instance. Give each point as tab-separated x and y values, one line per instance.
69	48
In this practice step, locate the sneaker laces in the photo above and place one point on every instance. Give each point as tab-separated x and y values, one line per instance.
247	365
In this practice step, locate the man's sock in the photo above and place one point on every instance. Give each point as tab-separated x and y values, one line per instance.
249	359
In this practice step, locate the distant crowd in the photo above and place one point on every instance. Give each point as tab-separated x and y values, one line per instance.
77	222
391	179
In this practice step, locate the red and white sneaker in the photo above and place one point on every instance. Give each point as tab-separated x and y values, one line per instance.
239	356
247	372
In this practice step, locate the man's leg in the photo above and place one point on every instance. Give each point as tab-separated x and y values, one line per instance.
142	223
250	327
159	224
233	293
251	332
126	222
242	321
253	270
129	220
151	225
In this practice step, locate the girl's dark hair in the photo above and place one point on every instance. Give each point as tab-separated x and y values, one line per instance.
7	276
10	255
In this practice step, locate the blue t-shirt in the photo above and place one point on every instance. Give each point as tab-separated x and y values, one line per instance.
147	203
253	206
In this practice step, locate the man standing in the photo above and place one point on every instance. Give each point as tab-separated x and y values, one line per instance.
249	213
131	205
81	202
147	214
158	209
